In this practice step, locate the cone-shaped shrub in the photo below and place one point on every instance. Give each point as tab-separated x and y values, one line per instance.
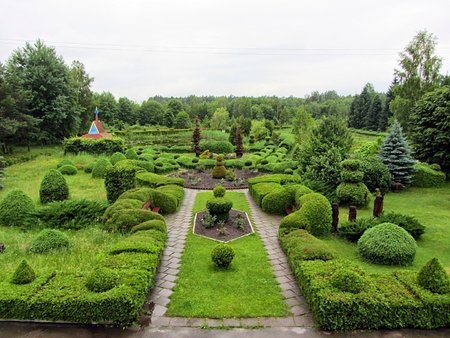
219	170
16	209
53	187
433	277
24	274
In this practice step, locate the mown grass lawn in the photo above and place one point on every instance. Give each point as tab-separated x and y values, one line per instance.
431	206
247	289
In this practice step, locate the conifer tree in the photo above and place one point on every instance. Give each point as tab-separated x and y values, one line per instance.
196	138
386	113
373	115
396	155
239	143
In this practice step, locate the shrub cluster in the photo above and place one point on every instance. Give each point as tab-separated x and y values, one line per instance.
351	190
93	146
222	255
49	240
16	209
53	187
425	176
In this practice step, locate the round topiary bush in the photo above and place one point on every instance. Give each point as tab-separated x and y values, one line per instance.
219	191
117	157
219	207
88	169
24	274
222	255
315	214
49	240
353	194
53	187
16	209
100	168
387	244
101	280
219	170
348	281
277	202
68	169
64	162
131	154
434	278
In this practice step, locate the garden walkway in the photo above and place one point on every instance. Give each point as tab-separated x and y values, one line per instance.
178	226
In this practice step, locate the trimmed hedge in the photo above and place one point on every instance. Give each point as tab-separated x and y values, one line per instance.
218	147
68	169
126	219
353	194
277	202
16	209
154	180
117	157
219	207
117	181
260	190
301	245
100	168
281	179
53	187
175	191
137	165
149	225
426	177
93	146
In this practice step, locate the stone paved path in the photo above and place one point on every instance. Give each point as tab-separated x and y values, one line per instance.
178	226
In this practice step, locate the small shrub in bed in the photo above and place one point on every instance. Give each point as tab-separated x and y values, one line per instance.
24	274
99	170
49	240
68	169
16	209
433	277
53	187
101	280
219	207
222	255
347	280
219	170
219	191
387	244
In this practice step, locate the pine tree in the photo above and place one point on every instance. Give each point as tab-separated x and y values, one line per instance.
353	113
396	155
239	143
386	113
373	115
196	138
365	102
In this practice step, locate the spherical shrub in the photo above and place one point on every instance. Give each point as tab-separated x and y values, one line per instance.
347	281
117	157
219	207
222	255
219	191
53	187
49	240
277	202
16	209
153	224
131	154
68	169
315	214
88	169
64	162
100	168
101	280
433	277
24	274
353	194
387	244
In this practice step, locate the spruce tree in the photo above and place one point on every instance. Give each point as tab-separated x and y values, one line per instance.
386	113
396	155
365	102
373	115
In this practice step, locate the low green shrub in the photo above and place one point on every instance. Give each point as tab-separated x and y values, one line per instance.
167	203
68	169
433	277
301	245
142	194
155	180
117	157
300	191
219	191
409	223
49	240
174	190
347	280
88	168
137	165
219	207
187	162
355	194
376	174
16	209
100	168
277	202
117	181
101	280
128	218
146	241
387	244
150	225
131	154
353	230
53	187
93	146
222	255
122	204
260	190
427	177
218	147
64	162
24	274
315	214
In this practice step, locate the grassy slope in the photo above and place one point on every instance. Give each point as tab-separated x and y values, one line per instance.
247	289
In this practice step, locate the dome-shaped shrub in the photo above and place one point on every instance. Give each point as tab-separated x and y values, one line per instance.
150	225
433	277
53	187
24	274
222	255
16	209
100	168
348	281
64	162
88	169
277	202
117	157
101	280
387	244
131	154
219	207
315	214
219	191
68	169
49	240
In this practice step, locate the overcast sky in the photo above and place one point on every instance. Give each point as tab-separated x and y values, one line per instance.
140	48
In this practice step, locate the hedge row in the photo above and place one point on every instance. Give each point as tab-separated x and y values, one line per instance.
154	180
426	176
93	146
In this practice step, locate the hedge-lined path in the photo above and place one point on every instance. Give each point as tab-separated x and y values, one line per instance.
178	226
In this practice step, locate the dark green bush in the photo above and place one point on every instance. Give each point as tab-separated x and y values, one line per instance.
49	240
219	207
351	165
53	187
352	176
117	181
409	223
219	191
173	190
315	214
117	157
424	176
248	163
88	169
155	180
353	194
187	162
100	168
142	194
131	154
222	255
387	244
376	174
122	204
71	214
150	225
68	169
347	280
146	241
137	165
260	190
128	218
300	191
354	230
101	280
64	162
16	209
218	147
433	277
93	146
167	203
301	245
24	274
277	202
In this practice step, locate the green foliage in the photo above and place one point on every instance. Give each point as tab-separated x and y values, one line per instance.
433	277
71	214
16	209
219	119
148	241
173	190
68	169
396	155
150	225
376	174
219	191
136	165
301	245
131	154
117	157
222	255
219	207
182	120
100	168
424	176
387	244
353	230
369	149
88	169
117	181
348	281
106	146
64	162
219	170
126	219
2	171
24	274
101	280
409	223
230	176
277	202
260	190
353	194
155	180
166	202
49	240
218	147
53	187
258	130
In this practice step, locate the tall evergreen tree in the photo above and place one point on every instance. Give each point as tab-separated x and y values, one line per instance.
196	136
354	119
81	85
365	102
386	113
396	155
374	113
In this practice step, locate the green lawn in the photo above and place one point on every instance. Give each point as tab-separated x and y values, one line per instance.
247	289
431	206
